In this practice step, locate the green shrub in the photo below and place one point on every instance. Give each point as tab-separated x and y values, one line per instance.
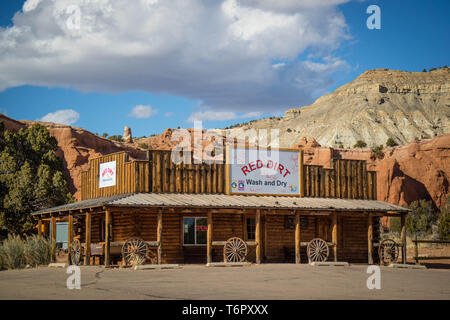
444	221
37	251
14	252
2	258
421	219
391	143
377	152
360	144
117	138
395	224
143	146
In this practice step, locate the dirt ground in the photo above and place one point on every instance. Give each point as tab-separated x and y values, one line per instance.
266	281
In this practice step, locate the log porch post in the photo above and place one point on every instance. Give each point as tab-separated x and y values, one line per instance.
370	239
258	236
53	237
403	223
159	235
87	256
297	238
302	175
69	237
334	236
107	237
209	239
39	227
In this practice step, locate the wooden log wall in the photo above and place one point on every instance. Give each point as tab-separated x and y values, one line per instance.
185	177
347	179
226	226
131	176
354	248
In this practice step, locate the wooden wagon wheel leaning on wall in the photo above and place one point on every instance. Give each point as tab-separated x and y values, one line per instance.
235	250
134	251
388	251
317	250
76	252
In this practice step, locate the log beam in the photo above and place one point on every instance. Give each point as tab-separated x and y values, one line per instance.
403	235
39	227
159	235
258	236
69	236
107	237
302	174
209	239
53	237
370	239
334	236
297	238
87	255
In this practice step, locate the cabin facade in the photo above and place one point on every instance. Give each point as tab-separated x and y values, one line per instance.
188	213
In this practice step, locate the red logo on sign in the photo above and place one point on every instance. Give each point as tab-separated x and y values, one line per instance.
107	171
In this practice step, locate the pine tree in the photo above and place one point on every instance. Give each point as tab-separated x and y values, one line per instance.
31	177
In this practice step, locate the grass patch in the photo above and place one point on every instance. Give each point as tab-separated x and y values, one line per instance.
14	252
37	251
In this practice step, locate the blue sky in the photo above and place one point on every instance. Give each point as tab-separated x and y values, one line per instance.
224	62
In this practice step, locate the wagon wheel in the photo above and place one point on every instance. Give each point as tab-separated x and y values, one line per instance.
317	250
388	251
134	251
76	252
235	250
152	255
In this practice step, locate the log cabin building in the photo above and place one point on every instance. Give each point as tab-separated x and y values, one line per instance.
187	213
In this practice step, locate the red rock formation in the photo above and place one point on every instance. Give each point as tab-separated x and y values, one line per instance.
418	170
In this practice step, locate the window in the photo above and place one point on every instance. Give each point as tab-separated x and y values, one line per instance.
289	222
194	231
251	227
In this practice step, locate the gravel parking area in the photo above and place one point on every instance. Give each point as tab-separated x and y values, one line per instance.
266	281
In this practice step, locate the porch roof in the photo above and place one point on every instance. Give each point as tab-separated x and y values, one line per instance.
222	201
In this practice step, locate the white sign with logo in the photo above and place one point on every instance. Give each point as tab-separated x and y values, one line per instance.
107	176
275	172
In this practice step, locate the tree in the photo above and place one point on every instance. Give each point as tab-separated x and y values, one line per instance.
377	152
360	144
444	221
391	143
420	220
117	138
31	177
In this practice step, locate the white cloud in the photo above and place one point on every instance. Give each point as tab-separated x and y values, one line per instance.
226	53
168	114
210	115
66	116
142	112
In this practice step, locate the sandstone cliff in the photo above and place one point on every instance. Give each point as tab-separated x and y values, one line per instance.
378	105
76	147
418	170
